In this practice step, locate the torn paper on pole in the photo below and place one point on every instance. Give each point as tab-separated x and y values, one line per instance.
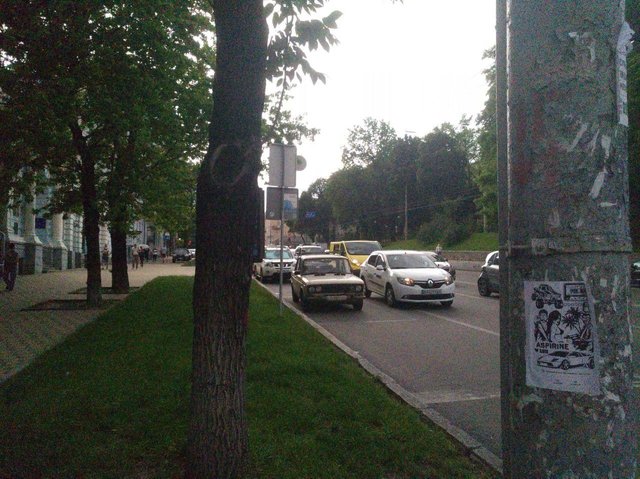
623	47
562	350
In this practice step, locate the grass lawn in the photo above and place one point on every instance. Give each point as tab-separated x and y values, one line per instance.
477	242
112	402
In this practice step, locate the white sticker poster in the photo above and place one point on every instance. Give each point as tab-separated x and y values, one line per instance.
562	345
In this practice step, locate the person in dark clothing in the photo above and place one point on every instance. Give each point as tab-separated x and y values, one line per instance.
11	260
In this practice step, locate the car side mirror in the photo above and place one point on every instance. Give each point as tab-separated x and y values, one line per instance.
380	268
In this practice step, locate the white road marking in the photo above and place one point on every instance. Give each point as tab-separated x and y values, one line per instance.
412	320
467	295
460	323
466	283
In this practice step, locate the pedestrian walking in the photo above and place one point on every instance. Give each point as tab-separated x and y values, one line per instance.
135	257
438	249
142	254
105	257
11	260
163	253
155	254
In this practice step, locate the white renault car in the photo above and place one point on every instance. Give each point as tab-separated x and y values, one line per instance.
407	276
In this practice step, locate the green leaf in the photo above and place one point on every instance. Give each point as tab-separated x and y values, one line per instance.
330	20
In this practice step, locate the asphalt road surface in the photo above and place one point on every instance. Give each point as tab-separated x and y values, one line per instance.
447	357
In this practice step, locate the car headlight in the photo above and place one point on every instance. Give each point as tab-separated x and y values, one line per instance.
358	288
406	281
315	289
449	279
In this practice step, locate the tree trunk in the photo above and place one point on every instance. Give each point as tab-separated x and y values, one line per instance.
91	215
226	200
119	265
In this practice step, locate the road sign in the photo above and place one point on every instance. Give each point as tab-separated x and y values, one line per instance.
282	157
274	203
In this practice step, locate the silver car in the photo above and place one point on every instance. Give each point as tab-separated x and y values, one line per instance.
325	278
269	268
407	276
442	262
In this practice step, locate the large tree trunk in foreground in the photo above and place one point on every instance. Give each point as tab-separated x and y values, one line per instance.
91	215
226	201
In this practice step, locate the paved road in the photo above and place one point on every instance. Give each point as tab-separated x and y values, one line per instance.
448	358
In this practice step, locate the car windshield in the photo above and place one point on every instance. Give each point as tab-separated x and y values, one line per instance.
438	257
409	260
362	247
275	254
311	250
325	266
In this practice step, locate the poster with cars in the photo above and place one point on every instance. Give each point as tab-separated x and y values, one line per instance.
562	345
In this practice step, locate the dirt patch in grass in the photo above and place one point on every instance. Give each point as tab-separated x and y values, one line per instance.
69	305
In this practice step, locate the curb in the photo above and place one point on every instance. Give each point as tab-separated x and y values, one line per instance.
468	443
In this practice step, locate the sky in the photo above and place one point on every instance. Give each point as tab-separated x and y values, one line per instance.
414	65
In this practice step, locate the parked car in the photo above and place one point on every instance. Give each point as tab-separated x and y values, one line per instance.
305	249
356	252
269	268
407	276
192	251
489	280
325	278
565	360
635	274
442	262
181	254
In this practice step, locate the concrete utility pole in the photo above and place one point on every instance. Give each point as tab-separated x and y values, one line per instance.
567	398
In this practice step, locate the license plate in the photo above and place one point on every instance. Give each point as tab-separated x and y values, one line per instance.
336	298
426	292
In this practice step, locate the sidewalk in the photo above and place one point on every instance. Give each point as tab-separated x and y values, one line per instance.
26	334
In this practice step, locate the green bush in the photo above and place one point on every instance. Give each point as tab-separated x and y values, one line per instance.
445	231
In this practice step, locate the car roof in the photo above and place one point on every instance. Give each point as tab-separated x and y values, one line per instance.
398	251
322	256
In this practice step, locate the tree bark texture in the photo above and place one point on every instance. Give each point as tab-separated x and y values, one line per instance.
91	215
119	265
566	220
226	201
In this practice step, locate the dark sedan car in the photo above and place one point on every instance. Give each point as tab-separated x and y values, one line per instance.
181	254
489	280
635	274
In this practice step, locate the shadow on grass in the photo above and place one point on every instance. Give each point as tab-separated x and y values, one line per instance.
112	401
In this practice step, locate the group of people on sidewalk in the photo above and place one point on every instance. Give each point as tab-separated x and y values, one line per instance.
9	266
139	254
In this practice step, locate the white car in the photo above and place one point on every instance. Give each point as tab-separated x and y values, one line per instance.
325	278
269	268
407	276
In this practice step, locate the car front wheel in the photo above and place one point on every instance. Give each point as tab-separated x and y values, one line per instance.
446	304
565	365
389	296
304	302
357	305
295	297
367	291
483	287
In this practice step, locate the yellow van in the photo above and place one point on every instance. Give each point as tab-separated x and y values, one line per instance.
356	251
